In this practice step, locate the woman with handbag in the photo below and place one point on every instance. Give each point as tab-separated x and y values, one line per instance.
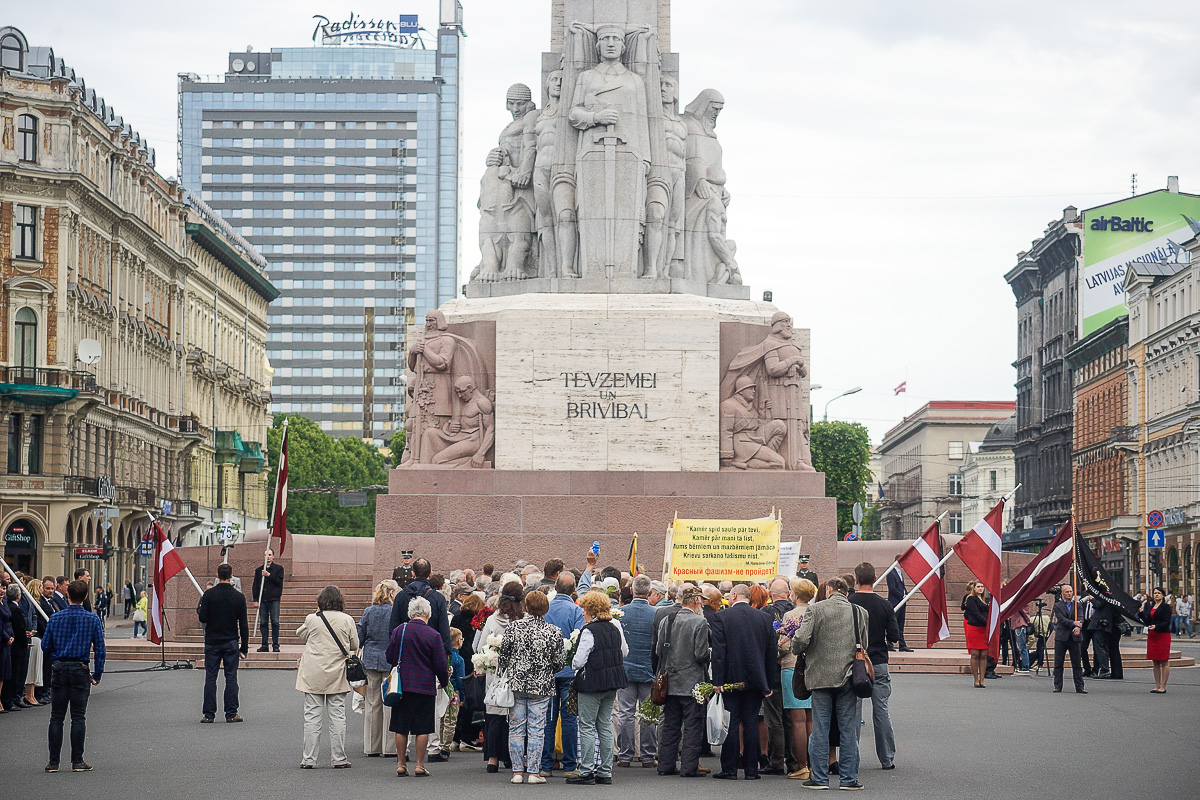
530	653
599	673
374	634
139	614
797	706
419	655
510	606
329	636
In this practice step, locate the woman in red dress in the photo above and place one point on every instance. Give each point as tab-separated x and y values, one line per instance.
975	622
1157	616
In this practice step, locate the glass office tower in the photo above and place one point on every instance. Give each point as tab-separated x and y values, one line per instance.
340	164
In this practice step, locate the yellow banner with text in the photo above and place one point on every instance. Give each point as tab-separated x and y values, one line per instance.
724	549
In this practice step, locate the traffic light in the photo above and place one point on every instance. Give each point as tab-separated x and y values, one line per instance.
1155	561
108	548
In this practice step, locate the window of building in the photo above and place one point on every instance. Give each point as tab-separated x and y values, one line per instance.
26	222
14	443
25	346
37	428
955	483
956	523
992	481
12	54
956	451
27	137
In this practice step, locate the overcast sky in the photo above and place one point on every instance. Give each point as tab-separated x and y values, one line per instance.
887	160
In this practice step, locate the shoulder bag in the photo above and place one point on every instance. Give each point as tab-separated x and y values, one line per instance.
355	671
799	689
392	691
862	672
659	690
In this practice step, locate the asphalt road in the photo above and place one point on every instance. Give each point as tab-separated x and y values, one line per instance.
1014	739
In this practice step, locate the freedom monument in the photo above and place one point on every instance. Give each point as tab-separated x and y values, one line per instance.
606	371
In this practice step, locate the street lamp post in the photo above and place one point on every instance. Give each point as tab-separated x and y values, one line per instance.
855	390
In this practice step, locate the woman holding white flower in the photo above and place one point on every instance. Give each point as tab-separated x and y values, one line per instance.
495	721
599	673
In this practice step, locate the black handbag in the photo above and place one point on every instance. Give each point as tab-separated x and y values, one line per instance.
355	671
862	672
799	689
472	693
659	686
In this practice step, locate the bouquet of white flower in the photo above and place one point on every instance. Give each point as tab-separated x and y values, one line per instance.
488	657
570	645
617	614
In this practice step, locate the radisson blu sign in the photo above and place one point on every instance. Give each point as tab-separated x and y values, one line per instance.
401	31
1149	227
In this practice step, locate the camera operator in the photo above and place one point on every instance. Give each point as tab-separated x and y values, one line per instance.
1042	628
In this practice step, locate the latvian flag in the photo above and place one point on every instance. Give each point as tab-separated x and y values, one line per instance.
1042	574
918	561
279	507
980	551
167	564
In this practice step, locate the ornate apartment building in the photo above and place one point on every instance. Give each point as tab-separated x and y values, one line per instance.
133	375
1163	372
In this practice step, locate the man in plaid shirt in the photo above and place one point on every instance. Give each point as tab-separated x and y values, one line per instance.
72	635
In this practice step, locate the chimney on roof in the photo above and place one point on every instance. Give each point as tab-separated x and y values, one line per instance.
1070	214
1173	184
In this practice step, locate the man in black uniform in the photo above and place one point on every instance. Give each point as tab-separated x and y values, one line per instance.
802	570
403	574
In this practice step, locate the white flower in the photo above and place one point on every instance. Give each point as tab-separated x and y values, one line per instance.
494	640
617	613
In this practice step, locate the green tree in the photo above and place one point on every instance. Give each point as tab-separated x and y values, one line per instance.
317	461
842	450
396	444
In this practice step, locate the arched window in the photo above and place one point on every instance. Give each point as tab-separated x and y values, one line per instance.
12	52
27	128
25	344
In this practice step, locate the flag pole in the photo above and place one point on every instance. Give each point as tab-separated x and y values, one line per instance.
921	582
24	589
262	581
896	563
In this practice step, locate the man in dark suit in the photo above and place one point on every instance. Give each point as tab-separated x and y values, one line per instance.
744	648
896	592
47	604
1068	635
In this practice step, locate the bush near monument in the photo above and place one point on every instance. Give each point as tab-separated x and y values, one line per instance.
842	450
317	461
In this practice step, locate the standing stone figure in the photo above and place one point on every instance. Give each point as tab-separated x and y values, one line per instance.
612	160
437	406
541	135
776	367
709	255
507	226
664	205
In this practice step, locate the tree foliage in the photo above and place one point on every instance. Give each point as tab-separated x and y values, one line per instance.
396	444
318	461
842	450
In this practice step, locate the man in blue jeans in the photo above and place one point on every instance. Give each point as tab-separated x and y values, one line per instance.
222	611
567	617
827	639
72	636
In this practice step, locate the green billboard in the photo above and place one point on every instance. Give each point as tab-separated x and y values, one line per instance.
1149	227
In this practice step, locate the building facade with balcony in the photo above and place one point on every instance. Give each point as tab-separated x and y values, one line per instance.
1163	372
1045	284
1103	444
132	334
340	161
922	460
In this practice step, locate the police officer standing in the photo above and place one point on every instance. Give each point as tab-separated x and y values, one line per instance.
802	570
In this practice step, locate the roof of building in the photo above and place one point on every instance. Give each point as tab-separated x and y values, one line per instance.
943	411
1157	269
1002	436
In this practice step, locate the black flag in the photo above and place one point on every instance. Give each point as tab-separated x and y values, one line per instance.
1095	581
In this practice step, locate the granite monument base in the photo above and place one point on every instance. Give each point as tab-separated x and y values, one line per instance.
461	519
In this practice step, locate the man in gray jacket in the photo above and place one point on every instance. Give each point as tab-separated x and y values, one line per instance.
827	639
683	651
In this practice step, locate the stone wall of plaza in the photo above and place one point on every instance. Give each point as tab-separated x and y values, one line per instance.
132	334
1102	447
1163	372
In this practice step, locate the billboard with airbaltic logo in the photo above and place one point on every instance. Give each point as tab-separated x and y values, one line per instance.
1149	227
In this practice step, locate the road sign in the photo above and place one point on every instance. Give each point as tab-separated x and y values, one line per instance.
1154	519
856	513
89	553
105	524
146	549
1155	537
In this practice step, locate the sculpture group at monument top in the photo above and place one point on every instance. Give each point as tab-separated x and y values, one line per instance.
607	187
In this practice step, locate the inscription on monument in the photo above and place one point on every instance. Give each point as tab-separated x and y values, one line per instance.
608	406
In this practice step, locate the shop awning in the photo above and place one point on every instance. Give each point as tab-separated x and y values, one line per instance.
37	395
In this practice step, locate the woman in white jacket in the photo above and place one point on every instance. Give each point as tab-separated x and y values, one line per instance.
322	675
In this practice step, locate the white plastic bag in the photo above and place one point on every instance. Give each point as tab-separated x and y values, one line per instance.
717	720
440	704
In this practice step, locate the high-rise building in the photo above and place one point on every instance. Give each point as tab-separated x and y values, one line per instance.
340	162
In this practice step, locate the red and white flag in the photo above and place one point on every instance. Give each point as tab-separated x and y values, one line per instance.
918	561
1041	574
980	551
167	564
903	387
279	514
